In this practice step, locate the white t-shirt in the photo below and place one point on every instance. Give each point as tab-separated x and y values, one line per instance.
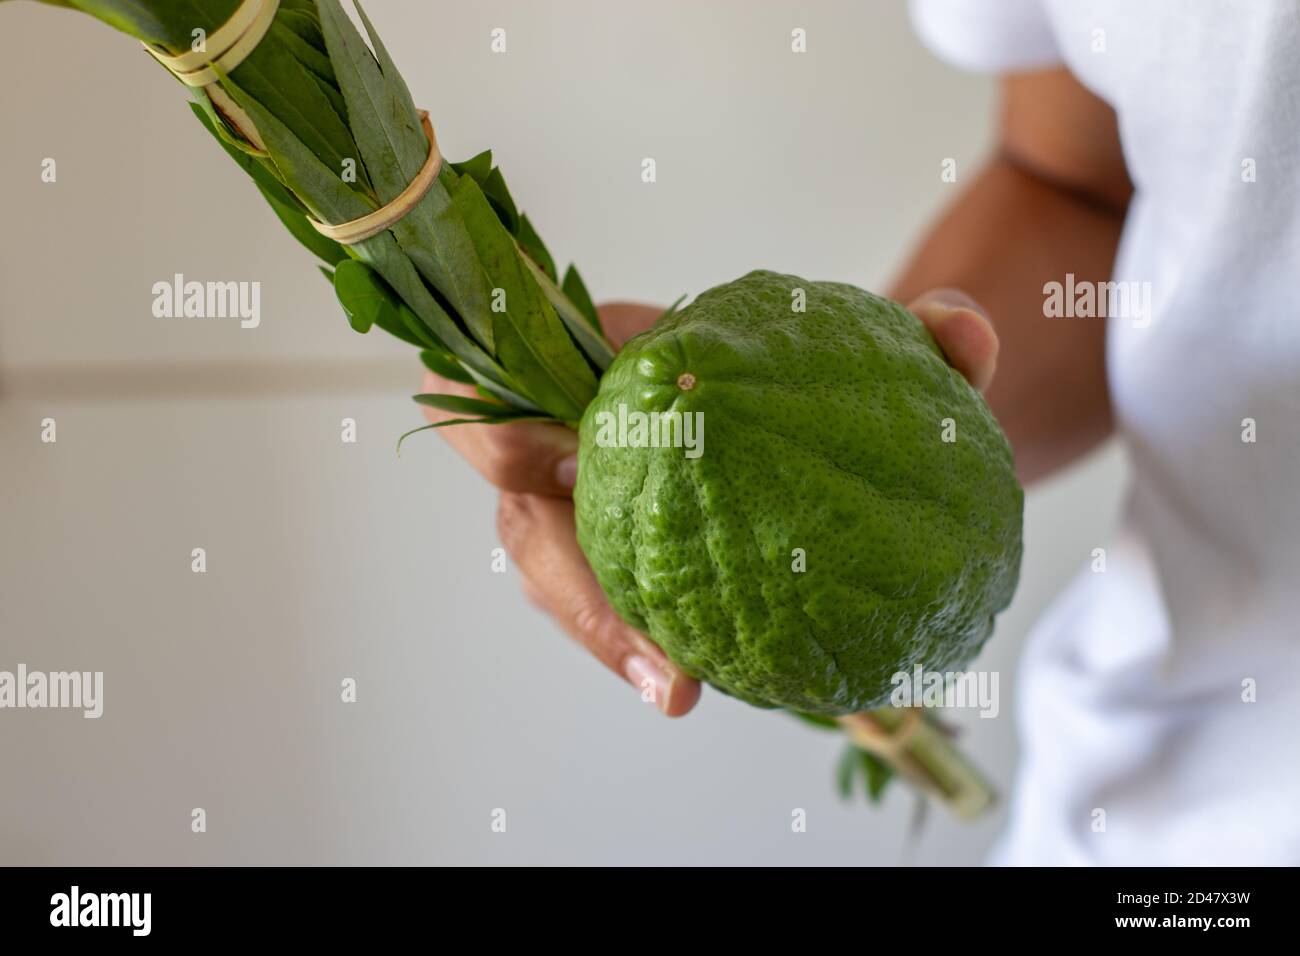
1133	683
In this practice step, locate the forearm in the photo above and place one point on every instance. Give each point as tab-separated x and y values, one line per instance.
1007	235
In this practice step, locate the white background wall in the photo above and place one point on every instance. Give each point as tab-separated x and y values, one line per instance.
329	560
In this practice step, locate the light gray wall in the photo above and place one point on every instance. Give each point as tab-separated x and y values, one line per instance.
329	560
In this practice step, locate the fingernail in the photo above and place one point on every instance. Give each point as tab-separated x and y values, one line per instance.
938	310
647	677
566	472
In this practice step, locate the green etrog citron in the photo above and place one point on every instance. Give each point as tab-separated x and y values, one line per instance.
852	510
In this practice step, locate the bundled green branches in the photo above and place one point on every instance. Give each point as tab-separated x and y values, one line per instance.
325	126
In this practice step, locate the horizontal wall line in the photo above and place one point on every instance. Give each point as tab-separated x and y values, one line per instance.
235	379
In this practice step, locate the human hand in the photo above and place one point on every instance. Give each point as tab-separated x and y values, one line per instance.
535	465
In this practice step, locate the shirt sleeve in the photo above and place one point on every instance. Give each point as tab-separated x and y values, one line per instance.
987	36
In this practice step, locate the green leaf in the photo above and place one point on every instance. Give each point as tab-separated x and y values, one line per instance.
312	57
494	187
532	244
383	253
444	363
368	300
855	762
305	24
439	244
417	332
532	344
360	295
467	421
592	343
672	309
506	394
478	168
387	258
392	74
877	773
845	772
463	405
389	138
576	292
816	720
170	29
209	116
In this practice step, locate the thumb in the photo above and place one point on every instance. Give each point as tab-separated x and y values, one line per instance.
963	332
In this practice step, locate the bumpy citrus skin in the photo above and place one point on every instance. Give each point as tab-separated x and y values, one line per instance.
823	437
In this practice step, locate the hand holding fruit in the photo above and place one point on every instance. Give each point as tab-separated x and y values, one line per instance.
535	466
